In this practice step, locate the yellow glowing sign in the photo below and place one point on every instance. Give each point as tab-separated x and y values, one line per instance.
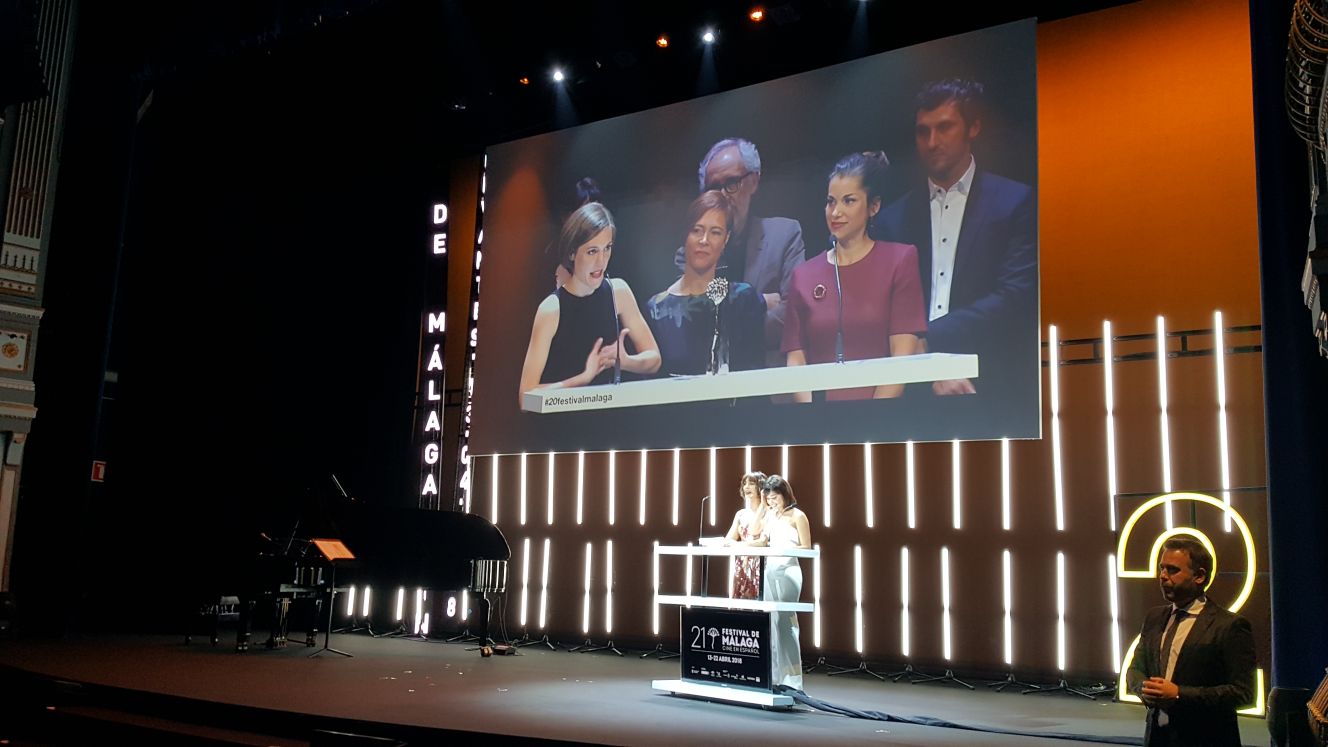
1150	572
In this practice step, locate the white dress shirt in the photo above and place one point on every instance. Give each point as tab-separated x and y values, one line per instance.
1182	631
947	217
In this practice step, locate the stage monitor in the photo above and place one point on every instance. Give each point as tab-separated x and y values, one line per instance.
844	255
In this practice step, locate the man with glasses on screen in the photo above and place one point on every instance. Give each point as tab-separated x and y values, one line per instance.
976	235
761	252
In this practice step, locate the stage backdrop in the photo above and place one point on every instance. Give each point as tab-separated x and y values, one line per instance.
646	168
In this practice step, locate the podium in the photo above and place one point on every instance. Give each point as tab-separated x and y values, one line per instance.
725	642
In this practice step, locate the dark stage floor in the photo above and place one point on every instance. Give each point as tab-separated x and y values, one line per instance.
595	697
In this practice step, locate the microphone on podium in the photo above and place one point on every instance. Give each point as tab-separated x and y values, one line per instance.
700	529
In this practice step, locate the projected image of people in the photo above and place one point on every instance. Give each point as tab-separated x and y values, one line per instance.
862	298
705	323
786	527
580	331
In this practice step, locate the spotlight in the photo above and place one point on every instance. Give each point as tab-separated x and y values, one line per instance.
523	80
558	76
662	42
708	37
757	14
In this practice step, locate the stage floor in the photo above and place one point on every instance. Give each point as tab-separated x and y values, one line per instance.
595	697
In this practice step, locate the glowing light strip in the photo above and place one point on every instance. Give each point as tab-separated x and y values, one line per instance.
714	497
1162	410
912	486
1220	362
350	601
364	611
825	483
689	575
419	610
1109	386
549	516
523	488
641	495
464	612
612	486
783	461
654	608
857	595
493	487
903	602
1060	611
1115	612
747	468
544	586
580	484
1005	484
945	602
816	597
1054	366
956	502
608	588
677	457
525	580
1006	577
401	604
585	601
868	490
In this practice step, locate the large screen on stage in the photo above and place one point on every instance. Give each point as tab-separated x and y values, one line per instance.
845	255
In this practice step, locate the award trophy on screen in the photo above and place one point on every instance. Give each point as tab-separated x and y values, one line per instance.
716	290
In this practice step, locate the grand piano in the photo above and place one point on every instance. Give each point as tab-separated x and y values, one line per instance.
393	547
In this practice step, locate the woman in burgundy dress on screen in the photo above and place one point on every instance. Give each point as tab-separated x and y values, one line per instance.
882	305
746	530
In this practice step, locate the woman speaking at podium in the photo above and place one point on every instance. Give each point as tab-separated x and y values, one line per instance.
746	530
786	527
577	338
862	299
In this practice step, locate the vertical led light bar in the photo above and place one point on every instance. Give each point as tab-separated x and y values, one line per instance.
868	489
783	461
677	459
1162	410
523	488
956	483
1005	484
549	499
585	601
493	488
911	486
401	604
857	596
613	486
350	601
608	588
1006	575
1109	387
544	586
580	484
1054	370
419	610
747	463
945	602
816	597
825	484
364	611
1060	611
463	612
903	602
654	608
1115	613
689	574
1219	361
525	580
641	497
714	497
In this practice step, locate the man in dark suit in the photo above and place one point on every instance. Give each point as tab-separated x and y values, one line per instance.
761	252
1194	665
976	235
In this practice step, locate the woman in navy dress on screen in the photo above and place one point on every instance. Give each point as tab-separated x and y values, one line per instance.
580	330
682	316
882	305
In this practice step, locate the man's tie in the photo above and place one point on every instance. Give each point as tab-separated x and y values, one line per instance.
1167	640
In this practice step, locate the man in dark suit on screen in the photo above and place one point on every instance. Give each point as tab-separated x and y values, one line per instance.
976	236
1194	665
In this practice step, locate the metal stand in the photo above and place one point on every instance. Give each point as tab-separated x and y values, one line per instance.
907	671
528	641
820	662
660	651
949	676
861	668
331	607
606	647
465	636
1010	681
1060	687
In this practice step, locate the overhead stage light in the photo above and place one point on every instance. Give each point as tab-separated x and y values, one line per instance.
757	14
708	36
662	42
558	76
523	80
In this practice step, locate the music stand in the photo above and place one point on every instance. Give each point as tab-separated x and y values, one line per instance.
333	550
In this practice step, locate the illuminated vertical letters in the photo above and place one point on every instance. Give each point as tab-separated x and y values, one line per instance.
431	378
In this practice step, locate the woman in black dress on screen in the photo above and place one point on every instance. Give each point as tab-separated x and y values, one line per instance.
682	316
579	330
